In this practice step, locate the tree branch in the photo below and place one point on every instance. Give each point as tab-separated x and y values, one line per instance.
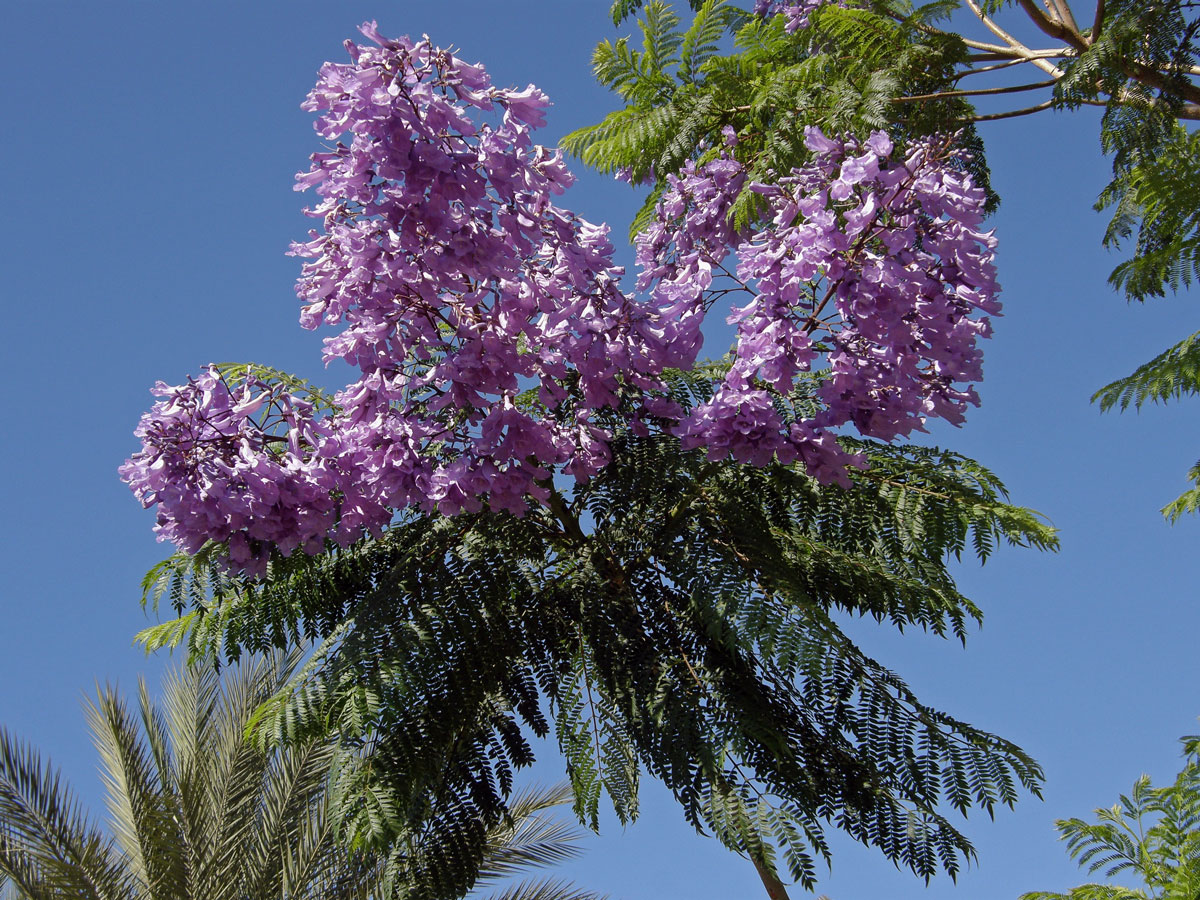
1058	30
1067	31
1152	77
993	68
1018	48
938	95
1097	22
1063	8
558	506
1009	54
1029	110
1011	114
1139	72
775	888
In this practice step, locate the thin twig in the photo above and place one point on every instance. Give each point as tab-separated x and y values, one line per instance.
982	69
1011	114
938	95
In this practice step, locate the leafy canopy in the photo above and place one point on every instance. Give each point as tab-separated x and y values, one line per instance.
679	91
672	615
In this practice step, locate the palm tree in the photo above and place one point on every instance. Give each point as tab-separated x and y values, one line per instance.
197	812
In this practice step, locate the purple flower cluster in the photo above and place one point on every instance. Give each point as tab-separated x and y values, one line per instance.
238	466
488	328
460	288
679	253
460	284
796	13
874	264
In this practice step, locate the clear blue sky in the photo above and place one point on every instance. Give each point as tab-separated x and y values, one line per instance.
147	175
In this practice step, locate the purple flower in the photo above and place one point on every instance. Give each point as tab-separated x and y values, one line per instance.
796	14
879	260
460	288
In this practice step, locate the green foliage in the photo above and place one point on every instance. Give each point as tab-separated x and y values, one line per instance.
1157	193
673	616
1188	501
1138	64
842	73
893	65
1168	376
1139	61
48	846
235	375
623	9
1152	834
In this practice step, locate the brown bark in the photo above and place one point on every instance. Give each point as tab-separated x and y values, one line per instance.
775	888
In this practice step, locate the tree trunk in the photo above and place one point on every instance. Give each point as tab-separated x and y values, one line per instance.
775	888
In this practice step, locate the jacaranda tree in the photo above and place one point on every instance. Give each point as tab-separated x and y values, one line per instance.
536	511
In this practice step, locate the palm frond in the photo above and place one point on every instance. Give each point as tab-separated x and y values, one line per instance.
141	805
531	839
48	846
546	889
